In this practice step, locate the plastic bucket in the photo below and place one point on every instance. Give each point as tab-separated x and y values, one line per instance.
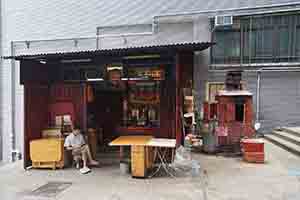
124	168
209	143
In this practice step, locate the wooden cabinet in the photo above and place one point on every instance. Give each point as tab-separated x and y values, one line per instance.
138	161
47	153
141	161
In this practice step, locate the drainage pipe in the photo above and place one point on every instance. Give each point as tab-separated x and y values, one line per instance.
257	97
13	103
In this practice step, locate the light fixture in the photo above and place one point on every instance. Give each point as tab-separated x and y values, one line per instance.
43	62
76	60
114	68
95	79
135	79
142	56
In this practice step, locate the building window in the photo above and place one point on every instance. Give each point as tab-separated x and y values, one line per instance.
297	42
227	48
260	39
284	36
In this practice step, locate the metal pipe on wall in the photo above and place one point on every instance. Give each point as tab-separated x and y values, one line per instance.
257	97
13	104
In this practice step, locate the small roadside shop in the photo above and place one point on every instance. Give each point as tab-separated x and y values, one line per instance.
114	92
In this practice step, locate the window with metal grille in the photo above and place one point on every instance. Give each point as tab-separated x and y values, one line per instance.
258	39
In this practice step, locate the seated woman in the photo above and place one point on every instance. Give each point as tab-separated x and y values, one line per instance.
80	150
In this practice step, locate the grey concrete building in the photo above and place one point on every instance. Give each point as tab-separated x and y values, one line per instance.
35	27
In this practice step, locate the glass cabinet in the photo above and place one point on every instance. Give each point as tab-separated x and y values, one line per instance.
141	104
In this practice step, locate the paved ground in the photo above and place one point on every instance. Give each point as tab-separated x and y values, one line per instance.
226	179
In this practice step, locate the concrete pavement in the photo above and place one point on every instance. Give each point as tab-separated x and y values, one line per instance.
224	179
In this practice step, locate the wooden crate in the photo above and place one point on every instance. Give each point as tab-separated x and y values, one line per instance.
252	145
254	157
47	153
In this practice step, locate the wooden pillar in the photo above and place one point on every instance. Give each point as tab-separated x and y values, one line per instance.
84	106
183	70
178	128
26	159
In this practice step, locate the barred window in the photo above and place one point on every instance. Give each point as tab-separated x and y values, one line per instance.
258	39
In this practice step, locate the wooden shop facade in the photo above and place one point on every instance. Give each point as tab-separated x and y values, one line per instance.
130	91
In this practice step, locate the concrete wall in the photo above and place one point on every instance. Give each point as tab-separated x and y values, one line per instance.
166	33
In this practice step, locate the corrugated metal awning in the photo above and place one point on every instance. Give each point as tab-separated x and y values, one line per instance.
195	46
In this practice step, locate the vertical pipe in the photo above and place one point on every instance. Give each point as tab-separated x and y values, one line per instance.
13	103
154	25
258	96
97	37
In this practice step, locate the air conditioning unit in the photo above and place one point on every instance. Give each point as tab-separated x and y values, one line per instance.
223	21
